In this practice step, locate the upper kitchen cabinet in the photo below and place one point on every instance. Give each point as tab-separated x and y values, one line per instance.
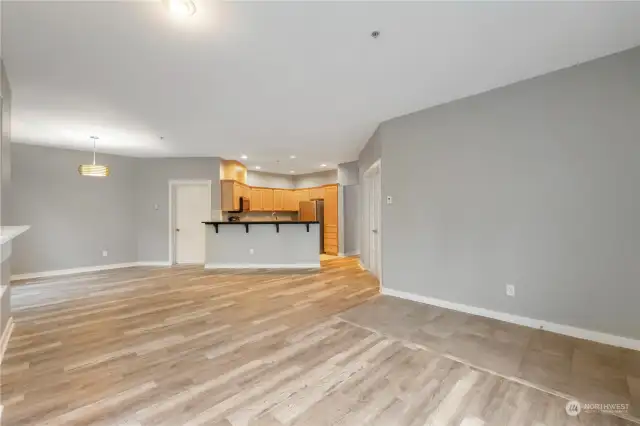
230	192
267	199
278	199
233	170
302	195
290	200
316	193
256	199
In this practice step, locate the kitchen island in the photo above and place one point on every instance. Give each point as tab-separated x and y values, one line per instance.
262	244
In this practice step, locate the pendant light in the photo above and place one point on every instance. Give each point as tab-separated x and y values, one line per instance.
93	169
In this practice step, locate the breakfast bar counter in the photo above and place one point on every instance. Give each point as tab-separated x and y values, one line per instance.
262	244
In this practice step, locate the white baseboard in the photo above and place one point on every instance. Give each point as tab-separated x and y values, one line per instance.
157	263
45	274
567	330
262	266
352	253
4	340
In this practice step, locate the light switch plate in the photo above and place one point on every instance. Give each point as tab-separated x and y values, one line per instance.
389	199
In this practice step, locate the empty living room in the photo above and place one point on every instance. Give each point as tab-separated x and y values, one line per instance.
313	213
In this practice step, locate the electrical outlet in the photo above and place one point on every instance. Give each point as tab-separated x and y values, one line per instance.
250	251
155	207
105	253
389	199
511	290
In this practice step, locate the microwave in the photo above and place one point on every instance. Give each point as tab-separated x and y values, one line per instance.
244	205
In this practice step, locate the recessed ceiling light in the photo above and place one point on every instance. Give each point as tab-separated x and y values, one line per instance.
244	157
323	165
292	156
257	167
292	171
181	8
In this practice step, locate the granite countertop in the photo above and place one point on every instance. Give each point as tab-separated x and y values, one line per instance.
261	222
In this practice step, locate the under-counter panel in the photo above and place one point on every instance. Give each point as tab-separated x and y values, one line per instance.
262	245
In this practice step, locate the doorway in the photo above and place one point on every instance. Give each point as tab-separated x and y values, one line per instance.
190	205
373	219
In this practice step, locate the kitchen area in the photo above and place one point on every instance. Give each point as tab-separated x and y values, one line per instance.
270	226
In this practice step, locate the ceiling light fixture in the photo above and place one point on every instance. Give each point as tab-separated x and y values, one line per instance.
258	167
323	165
180	8
244	157
93	169
292	171
292	157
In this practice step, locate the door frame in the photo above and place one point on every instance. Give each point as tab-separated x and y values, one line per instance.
373	172
173	184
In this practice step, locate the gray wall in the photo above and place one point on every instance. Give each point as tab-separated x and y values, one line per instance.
73	218
316	179
152	188
348	173
534	184
351	204
269	180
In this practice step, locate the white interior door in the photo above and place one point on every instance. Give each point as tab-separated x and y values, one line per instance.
374	215
191	208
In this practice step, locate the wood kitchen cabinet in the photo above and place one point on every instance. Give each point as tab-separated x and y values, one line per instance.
231	191
256	199
316	193
331	219
267	199
302	195
290	200
278	200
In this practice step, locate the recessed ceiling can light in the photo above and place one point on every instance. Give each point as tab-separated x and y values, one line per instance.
323	165
375	34
180	8
258	167
292	171
94	169
292	157
244	157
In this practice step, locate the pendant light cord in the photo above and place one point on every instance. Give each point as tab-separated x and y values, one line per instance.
94	149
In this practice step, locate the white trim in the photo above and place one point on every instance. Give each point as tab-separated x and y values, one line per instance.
567	330
6	249
352	253
6	335
176	182
154	263
57	272
8	233
262	266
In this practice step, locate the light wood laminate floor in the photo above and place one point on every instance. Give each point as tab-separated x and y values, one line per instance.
183	346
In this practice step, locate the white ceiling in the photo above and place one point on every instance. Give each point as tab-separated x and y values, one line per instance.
272	79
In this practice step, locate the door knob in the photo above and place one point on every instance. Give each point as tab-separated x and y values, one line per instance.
177	229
